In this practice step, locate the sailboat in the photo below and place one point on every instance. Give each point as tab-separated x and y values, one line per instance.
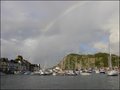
97	71
42	71
102	70
85	72
111	71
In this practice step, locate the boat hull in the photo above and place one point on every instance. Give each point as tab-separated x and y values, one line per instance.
112	73
85	74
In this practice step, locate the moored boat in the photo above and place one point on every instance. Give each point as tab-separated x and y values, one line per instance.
85	73
35	73
97	71
54	74
27	73
112	73
102	71
70	73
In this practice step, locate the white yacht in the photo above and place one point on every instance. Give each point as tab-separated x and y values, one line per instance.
111	72
41	72
54	74
84	73
97	71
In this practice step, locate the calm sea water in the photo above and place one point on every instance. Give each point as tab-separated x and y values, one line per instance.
95	81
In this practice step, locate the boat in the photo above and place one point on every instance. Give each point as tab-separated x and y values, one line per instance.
47	73
54	74
70	73
89	70
102	71
97	71
35	73
111	71
77	72
85	72
27	73
18	72
42	72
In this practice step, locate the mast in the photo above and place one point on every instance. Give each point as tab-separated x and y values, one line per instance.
110	62
44	66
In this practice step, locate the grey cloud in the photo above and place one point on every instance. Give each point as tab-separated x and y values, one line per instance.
67	32
22	33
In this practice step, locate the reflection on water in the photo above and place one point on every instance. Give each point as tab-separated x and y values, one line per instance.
95	81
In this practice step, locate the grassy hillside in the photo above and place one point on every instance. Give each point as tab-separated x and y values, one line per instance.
75	61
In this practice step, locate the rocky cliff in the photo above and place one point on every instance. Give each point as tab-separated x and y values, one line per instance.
76	61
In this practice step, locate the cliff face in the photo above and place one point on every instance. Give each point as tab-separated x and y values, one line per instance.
76	61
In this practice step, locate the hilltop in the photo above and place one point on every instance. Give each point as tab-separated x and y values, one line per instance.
76	61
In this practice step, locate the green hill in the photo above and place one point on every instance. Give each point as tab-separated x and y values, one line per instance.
75	61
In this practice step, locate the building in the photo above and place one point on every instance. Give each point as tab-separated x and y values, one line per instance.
17	66
25	65
4	64
11	66
34	67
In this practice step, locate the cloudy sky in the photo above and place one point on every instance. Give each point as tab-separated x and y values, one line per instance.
45	31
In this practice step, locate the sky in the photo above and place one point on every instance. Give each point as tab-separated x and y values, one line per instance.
46	31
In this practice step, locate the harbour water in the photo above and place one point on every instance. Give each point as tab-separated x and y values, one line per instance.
94	81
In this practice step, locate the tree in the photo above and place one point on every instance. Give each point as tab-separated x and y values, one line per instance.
19	58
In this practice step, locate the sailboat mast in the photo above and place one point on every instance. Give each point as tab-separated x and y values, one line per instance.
110	62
